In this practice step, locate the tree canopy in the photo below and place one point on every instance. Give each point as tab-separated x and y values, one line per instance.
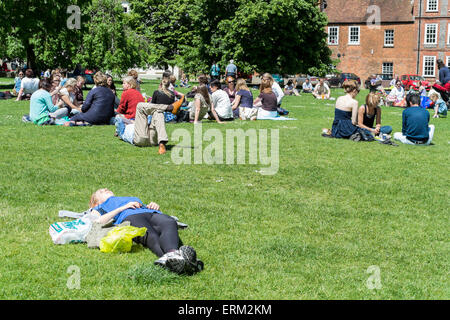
277	36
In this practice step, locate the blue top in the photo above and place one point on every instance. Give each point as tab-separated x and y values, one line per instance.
114	203
444	75
231	68
40	106
343	126
215	70
18	83
98	108
415	123
246	98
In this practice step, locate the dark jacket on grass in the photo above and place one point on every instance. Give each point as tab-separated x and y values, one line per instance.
98	108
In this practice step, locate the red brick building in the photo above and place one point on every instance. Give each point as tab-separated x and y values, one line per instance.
392	37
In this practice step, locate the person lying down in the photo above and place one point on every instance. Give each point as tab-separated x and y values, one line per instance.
162	232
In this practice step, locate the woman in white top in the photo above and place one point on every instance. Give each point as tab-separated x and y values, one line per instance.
28	86
67	95
397	96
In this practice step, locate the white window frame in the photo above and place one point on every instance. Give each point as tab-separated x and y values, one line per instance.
424	65
427	31
448	33
337	36
448	61
434	3
391	67
354	43
385	38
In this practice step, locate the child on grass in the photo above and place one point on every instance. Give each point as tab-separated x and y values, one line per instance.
162	231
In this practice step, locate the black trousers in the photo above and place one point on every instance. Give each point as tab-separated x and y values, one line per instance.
162	232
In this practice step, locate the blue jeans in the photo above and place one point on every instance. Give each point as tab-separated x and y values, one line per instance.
383	129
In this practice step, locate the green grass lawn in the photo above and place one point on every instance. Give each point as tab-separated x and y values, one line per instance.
311	231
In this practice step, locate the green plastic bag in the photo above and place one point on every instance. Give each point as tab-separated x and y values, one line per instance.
120	239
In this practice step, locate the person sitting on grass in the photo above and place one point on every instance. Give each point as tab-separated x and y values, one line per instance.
66	94
17	83
221	104
78	92
148	131
415	128
42	108
98	109
244	101
346	112
397	97
28	86
290	88
199	107
307	86
267	100
368	113
162	236
322	91
184	82
440	107
129	99
231	92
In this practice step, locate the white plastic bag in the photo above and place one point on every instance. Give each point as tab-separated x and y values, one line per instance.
72	231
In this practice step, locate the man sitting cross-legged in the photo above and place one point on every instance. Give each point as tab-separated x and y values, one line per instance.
415	128
149	128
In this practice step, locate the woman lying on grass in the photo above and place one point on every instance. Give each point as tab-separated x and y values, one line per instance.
162	231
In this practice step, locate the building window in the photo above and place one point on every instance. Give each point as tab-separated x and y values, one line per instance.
353	36
389	38
448	61
333	35
431	33
388	69
429	66
432	5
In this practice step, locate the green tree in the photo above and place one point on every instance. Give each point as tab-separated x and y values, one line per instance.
166	25
31	23
108	42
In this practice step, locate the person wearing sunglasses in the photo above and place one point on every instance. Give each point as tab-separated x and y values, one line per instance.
397	97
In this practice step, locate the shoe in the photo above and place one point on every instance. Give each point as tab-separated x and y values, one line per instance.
162	149
188	253
192	264
161	261
177	105
175	262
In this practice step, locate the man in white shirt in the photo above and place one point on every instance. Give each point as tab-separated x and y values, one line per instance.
322	91
221	103
307	86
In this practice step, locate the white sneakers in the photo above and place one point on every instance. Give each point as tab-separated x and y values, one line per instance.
182	261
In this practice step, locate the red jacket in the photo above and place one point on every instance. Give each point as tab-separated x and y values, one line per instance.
128	102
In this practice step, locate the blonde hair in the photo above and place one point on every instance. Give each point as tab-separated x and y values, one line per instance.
241	85
130	80
100	79
373	100
94	201
165	83
72	82
433	96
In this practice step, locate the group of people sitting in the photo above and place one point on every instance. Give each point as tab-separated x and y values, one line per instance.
144	122
351	119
